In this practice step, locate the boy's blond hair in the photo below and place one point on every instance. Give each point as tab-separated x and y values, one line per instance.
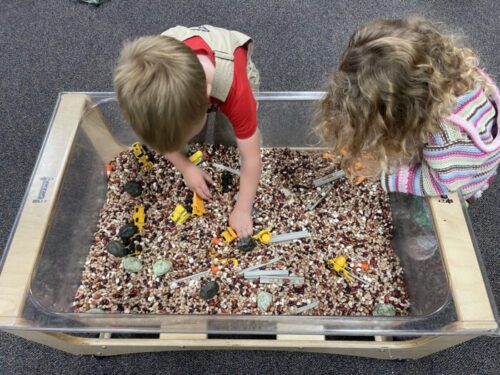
396	81
161	89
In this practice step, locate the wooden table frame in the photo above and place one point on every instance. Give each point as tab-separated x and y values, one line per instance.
473	307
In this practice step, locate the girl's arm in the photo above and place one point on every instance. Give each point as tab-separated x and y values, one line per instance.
416	179
446	167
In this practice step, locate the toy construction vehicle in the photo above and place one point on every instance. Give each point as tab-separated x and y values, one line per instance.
139	217
194	205
229	235
264	236
197	157
232	260
135	247
339	265
198	205
180	215
143	154
220	263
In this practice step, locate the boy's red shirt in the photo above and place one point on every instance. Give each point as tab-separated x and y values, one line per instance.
239	107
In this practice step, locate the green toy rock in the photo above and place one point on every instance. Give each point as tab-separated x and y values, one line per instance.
132	264
384	309
264	301
162	267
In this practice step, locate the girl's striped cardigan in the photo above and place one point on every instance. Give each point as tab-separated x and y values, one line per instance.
463	156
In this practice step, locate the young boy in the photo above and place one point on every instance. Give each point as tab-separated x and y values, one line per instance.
165	84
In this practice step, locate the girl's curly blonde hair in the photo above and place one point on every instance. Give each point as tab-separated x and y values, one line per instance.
395	82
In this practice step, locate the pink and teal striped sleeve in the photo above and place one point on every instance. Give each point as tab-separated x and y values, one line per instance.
457	166
450	172
452	160
416	179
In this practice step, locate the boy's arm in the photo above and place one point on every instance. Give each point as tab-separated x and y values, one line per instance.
241	217
196	179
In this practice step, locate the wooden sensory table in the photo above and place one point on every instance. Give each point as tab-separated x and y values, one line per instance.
475	313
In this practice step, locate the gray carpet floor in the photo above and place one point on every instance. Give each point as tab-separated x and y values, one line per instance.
52	46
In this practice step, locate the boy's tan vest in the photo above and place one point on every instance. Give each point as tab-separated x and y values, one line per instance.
223	43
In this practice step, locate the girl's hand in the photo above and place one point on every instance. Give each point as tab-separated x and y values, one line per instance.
196	179
241	221
366	167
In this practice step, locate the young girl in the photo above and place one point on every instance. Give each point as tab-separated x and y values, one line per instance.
413	107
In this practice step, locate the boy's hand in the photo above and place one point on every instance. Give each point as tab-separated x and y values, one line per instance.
196	179
241	221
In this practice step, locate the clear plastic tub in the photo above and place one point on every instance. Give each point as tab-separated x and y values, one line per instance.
284	121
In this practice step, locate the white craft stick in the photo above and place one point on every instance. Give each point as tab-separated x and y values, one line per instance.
259	273
191	277
322	195
290	236
280	280
360	279
274	260
328	178
302	309
224	168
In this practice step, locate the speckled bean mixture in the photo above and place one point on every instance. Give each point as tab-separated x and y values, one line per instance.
354	221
